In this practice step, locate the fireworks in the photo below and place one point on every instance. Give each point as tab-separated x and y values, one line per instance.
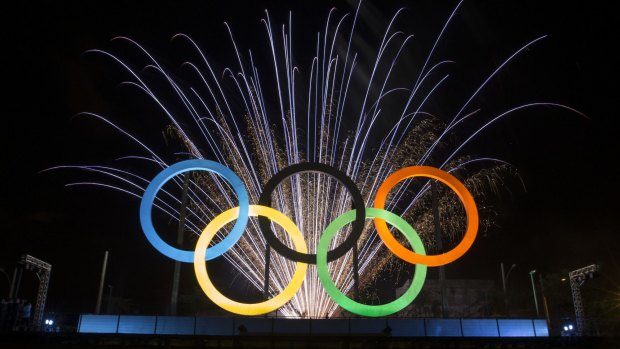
257	120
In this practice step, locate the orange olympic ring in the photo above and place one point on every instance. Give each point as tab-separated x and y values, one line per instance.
470	210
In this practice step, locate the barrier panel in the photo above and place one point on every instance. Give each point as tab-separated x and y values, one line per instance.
98	324
210	326
367	326
541	329
443	328
179	325
479	328
407	327
226	326
137	324
329	326
516	328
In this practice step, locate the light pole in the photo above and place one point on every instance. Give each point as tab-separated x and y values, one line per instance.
109	303
100	294
504	279
534	291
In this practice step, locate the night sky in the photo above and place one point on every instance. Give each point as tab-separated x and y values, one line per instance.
564	219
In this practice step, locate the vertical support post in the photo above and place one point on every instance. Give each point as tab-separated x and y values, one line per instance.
504	287
42	270
101	281
577	278
442	271
356	275
534	292
544	299
109	302
39	308
20	272
267	266
176	276
575	286
13	281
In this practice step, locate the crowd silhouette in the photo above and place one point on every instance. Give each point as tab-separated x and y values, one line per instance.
15	315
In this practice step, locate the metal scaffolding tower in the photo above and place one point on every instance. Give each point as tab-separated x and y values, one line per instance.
42	270
577	278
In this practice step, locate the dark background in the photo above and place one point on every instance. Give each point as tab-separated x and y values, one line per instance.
564	219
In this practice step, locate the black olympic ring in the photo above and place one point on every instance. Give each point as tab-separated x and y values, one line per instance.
358	205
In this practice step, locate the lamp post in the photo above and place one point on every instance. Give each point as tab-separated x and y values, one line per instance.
534	292
504	279
109	303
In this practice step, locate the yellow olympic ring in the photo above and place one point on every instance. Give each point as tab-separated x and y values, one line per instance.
249	308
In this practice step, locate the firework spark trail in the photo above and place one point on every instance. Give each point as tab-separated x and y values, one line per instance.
256	149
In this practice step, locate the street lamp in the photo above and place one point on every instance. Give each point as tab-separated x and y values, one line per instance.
504	279
534	291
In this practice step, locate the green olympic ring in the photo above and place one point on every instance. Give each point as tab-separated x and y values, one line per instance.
348	303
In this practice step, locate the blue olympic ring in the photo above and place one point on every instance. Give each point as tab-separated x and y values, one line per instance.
148	200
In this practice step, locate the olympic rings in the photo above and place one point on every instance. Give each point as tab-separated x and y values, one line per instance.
148	200
300	254
358	203
347	303
244	308
460	190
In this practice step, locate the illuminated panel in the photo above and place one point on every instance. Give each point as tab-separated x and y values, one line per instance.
541	329
515	328
330	326
98	323
367	326
208	326
407	327
254	325
479	328
136	324
291	326
443	328
175	325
